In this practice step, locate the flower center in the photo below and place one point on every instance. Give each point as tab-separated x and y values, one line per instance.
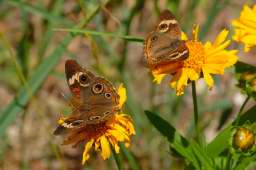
196	57
96	130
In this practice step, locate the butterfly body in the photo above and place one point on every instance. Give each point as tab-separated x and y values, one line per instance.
164	45
94	99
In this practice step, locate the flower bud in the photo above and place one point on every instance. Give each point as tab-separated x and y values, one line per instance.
243	139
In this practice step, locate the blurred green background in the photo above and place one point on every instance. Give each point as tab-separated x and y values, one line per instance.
33	89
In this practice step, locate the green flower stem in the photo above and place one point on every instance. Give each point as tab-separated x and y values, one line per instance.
195	111
241	110
119	161
229	160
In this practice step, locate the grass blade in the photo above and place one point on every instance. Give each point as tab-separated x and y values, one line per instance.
39	11
132	162
92	32
212	14
26	92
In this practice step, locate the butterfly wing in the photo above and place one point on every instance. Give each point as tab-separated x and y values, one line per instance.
77	77
168	24
162	49
164	44
100	101
94	99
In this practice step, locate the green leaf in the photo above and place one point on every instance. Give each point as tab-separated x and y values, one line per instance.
189	150
241	67
202	155
248	116
225	115
222	140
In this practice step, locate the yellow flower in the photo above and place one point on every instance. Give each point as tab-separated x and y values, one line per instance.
102	136
204	60
245	27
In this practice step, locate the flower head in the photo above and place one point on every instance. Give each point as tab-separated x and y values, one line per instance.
119	128
203	61
245	29
243	139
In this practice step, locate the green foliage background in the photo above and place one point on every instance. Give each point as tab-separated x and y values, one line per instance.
37	36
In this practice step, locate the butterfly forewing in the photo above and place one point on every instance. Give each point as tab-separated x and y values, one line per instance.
168	24
100	101
77	77
164	44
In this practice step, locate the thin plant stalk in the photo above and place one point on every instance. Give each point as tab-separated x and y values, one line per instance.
127	23
241	109
195	110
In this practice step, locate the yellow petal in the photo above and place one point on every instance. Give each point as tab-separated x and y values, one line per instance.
114	143
119	131
221	37
193	75
238	34
158	77
241	25
195	31
245	27
248	13
215	68
131	128
126	122
183	79
87	148
61	120
184	36
208	78
117	148
97	144
122	94
213	50
118	135
127	144
254	8
247	48
105	148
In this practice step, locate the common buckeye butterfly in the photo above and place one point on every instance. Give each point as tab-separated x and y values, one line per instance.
164	45
94	99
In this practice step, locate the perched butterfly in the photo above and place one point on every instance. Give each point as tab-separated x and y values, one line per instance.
94	99
164	45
